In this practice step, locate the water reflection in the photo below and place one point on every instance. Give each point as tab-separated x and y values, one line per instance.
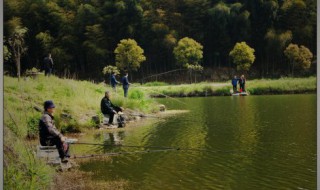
267	142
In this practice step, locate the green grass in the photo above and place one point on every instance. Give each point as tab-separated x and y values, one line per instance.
80	99
155	83
22	170
255	87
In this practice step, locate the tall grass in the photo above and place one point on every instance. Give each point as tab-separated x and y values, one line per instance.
254	87
78	99
22	170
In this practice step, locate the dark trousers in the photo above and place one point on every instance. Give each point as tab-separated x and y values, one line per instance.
63	148
47	72
111	115
125	92
242	88
234	88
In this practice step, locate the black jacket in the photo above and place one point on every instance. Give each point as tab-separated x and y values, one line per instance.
125	82
48	63
106	106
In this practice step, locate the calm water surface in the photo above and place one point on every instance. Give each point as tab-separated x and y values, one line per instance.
261	142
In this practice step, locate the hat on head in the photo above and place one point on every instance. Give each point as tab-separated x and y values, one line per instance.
49	104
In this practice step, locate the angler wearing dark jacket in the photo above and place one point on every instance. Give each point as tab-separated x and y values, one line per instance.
48	65
125	84
114	81
242	83
107	108
234	83
49	134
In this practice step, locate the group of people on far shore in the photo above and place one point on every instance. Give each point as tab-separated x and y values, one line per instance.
241	81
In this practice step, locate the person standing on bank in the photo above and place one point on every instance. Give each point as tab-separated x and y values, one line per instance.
114	81
125	84
107	108
242	83
49	134
48	65
234	84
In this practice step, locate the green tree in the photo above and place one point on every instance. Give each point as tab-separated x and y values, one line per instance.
109	69
277	41
188	53
298	57
6	53
16	41
243	56
46	40
129	55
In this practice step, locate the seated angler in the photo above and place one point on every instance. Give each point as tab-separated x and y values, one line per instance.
107	108
49	134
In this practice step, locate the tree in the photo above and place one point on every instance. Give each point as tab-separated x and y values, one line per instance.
109	69
16	41
6	53
298	56
243	56
188	53
129	55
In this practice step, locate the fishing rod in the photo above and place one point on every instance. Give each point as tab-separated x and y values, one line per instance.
142	115
162	94
128	146
146	151
159	147
120	153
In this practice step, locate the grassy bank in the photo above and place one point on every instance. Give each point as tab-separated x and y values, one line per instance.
77	100
254	87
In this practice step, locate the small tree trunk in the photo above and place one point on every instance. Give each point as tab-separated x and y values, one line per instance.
292	69
18	66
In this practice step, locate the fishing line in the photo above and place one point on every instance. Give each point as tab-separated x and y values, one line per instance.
161	94
159	147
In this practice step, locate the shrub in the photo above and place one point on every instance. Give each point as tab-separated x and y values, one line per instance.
32	127
136	94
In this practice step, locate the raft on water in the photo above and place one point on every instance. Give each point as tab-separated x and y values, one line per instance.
240	94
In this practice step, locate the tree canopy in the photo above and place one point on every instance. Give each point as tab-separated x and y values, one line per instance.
129	55
243	56
82	35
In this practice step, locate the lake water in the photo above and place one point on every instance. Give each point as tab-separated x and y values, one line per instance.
252	142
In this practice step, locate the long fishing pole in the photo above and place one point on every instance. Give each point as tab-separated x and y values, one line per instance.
142	115
120	153
162	94
159	147
129	146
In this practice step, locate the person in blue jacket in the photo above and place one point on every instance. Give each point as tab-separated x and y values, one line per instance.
234	83
114	81
125	84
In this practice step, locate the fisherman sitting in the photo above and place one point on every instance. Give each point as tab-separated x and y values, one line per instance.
108	109
234	84
49	134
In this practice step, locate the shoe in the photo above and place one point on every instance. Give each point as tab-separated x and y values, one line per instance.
64	160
